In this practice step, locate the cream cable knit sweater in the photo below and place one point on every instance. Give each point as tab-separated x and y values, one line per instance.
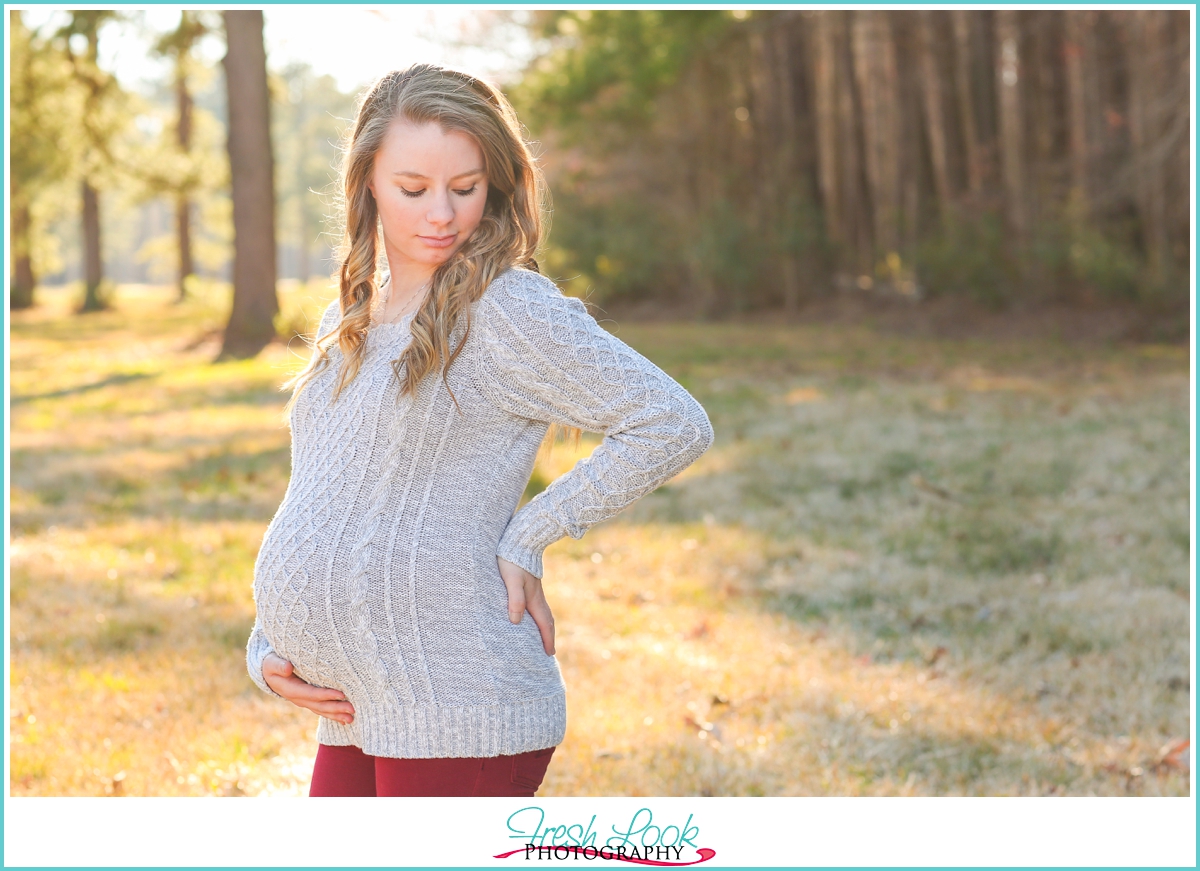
378	573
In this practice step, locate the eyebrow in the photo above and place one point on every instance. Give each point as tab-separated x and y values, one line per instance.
407	173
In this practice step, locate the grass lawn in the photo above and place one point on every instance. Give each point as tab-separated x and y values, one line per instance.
906	567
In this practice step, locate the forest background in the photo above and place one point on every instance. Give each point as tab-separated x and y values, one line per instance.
777	159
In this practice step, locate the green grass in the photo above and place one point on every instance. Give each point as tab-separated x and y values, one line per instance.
907	566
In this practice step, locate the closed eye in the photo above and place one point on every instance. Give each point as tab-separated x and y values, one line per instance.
461	193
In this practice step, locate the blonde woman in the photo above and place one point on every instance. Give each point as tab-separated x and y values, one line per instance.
398	595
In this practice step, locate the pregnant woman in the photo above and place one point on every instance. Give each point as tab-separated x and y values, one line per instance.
398	595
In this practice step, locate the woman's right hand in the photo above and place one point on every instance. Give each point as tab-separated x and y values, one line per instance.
329	703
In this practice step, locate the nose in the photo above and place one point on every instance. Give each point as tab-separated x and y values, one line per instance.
441	210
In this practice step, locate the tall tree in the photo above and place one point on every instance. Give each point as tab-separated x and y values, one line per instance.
1146	42
823	50
931	96
1012	139
252	319
42	147
178	46
1073	50
876	77
102	117
960	20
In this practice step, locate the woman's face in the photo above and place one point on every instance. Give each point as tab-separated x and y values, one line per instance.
430	190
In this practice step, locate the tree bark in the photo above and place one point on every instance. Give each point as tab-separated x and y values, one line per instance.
1012	145
824	54
1145	129
935	125
1077	138
20	292
855	197
93	264
251	320
183	202
966	101
789	170
875	71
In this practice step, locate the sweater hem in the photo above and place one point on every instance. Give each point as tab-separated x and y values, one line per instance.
428	732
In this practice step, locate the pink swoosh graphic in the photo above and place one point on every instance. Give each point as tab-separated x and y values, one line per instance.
705	855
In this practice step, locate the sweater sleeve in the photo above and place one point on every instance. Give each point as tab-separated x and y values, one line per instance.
256	651
547	359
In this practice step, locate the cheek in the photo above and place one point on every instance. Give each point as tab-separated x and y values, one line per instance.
473	214
397	210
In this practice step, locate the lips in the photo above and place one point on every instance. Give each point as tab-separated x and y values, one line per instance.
439	241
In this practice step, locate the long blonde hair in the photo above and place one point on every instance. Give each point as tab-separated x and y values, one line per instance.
508	234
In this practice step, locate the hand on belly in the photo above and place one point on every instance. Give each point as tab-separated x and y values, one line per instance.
329	703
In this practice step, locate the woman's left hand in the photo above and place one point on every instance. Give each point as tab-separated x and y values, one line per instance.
525	594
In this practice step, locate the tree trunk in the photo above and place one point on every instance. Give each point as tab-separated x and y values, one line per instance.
824	54
183	203
183	225
251	321
966	101
1145	129
789	170
875	71
1077	137
20	292
93	265
1012	144
855	196
935	125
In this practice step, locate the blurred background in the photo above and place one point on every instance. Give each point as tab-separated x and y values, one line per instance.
929	272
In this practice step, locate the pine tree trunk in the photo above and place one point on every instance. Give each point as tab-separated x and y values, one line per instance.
183	225
251	321
1145	127
93	265
824	54
183	203
20	291
966	100
1012	143
1077	136
855	199
875	72
935	125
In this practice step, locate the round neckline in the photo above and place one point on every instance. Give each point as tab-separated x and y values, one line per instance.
400	323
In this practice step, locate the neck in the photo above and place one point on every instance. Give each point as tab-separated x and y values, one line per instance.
407	277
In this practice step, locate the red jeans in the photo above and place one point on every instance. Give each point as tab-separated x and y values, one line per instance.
347	771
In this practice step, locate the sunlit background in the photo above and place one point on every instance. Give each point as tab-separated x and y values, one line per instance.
928	272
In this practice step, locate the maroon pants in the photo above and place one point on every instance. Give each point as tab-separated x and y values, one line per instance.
350	772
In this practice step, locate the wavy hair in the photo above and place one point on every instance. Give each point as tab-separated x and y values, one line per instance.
508	234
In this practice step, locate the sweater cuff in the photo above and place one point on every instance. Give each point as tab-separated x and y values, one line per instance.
256	651
526	536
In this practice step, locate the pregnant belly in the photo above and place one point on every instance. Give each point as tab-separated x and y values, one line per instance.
291	599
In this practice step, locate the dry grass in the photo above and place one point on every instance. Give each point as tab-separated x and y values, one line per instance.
906	567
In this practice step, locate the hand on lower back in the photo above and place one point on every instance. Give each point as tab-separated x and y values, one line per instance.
329	703
525	594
